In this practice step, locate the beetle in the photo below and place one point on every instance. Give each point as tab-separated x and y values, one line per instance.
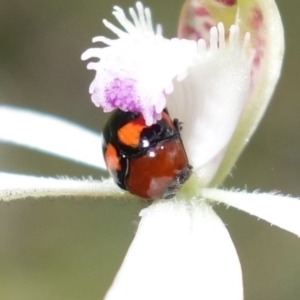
147	161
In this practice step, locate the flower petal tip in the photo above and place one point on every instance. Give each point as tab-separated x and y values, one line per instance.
190	247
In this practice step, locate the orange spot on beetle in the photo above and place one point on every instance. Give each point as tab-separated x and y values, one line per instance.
129	134
111	158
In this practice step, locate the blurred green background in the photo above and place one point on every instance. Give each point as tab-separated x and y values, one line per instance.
72	248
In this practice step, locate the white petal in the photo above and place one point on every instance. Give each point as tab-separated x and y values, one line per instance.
209	102
282	211
182	251
51	135
269	40
262	20
14	186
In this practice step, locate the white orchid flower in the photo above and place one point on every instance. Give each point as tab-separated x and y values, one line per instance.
218	81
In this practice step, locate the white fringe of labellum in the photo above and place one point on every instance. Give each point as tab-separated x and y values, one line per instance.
135	71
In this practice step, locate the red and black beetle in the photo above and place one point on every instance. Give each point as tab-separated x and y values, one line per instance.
147	161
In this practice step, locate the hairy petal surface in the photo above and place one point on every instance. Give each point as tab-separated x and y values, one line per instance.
15	186
282	211
51	135
182	250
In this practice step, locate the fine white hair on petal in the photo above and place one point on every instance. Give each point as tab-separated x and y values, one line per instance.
92	52
209	102
282	211
15	186
159	29
101	39
201	47
121	17
92	66
50	134
214	38
142	20
221	40
134	17
141	15
142	23
149	19
181	250
120	33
